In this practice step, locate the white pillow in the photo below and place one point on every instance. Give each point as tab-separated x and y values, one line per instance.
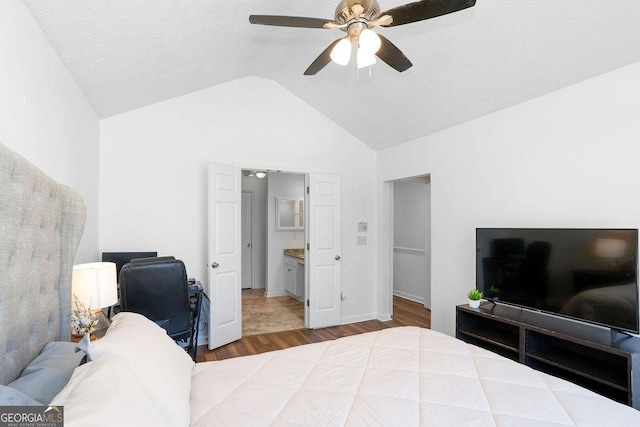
105	392
156	362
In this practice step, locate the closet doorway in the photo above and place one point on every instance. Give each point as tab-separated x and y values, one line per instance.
411	239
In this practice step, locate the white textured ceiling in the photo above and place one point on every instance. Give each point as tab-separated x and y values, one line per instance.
126	54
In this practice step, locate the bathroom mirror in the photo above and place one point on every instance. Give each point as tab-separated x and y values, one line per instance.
289	213
300	213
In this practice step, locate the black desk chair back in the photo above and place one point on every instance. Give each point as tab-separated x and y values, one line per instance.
158	289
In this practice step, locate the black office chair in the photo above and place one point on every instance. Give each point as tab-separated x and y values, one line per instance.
158	289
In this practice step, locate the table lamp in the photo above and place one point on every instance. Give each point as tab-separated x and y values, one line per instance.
610	249
94	287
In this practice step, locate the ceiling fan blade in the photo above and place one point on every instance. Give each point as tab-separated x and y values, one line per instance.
289	21
393	56
321	61
425	9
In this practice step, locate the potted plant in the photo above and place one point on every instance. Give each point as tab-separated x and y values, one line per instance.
474	298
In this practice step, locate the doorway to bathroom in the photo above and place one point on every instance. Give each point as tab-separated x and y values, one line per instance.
318	216
273	240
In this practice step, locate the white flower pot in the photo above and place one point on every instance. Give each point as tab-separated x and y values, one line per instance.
474	303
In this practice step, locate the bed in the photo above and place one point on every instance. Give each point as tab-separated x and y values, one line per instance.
136	375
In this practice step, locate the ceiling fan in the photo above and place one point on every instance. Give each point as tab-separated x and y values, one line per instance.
357	18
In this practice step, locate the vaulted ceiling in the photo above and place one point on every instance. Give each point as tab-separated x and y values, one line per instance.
126	54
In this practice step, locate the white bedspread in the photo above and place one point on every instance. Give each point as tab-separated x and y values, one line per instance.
401	376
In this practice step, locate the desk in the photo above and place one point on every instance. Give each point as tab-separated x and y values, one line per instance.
196	294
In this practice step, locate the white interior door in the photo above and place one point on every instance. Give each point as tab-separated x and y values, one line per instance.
225	323
246	245
322	263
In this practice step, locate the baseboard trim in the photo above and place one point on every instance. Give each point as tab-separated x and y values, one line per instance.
409	297
359	318
384	317
276	294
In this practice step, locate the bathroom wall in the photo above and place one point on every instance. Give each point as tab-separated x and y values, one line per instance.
280	185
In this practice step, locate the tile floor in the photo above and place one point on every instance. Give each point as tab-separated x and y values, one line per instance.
263	315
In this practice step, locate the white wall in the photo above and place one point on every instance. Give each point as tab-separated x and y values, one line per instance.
153	164
281	185
567	159
410	223
45	116
258	189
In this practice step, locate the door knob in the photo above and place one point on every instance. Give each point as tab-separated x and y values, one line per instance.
215	265
248	245
337	257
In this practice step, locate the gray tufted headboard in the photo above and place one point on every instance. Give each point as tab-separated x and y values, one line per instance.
41	223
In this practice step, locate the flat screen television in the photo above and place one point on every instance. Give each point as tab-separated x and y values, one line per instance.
583	274
122	258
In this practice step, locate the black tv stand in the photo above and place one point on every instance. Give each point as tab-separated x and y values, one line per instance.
587	355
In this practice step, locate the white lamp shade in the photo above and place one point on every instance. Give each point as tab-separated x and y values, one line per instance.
369	41
365	58
341	52
95	284
610	248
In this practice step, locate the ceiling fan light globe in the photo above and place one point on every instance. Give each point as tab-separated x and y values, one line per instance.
365	58
341	52
369	41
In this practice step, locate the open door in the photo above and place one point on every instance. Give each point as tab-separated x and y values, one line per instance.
225	257
322	262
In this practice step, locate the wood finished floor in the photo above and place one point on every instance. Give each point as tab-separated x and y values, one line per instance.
405	313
